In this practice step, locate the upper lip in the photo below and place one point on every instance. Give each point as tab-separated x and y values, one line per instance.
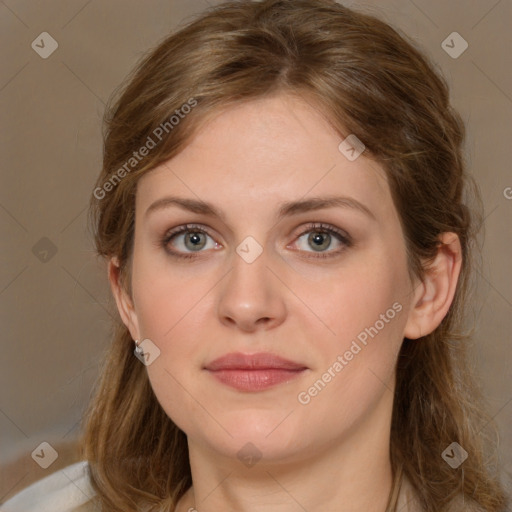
259	361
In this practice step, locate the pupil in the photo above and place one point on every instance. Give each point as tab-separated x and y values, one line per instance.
195	240
319	240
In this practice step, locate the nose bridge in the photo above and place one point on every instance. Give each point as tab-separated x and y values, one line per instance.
250	276
251	292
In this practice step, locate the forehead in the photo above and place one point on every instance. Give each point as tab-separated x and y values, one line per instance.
273	149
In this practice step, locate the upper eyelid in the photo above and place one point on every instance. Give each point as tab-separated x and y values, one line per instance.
179	230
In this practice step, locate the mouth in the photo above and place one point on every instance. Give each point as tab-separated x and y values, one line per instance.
254	372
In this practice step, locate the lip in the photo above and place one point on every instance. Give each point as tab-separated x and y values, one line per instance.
254	372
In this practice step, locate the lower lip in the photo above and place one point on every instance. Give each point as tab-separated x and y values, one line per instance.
255	380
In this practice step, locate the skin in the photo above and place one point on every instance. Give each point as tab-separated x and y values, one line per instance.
333	452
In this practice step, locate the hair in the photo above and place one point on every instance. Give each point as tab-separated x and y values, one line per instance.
368	80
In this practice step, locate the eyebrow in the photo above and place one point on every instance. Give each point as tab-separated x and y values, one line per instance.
286	209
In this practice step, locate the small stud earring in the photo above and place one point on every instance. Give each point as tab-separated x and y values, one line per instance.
138	349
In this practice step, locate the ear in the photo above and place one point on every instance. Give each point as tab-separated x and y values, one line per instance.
123	300
434	295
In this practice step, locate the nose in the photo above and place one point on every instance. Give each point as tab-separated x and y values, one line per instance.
252	297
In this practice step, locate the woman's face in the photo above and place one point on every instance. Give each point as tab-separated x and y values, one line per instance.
266	275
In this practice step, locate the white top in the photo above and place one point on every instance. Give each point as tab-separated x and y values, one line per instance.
61	491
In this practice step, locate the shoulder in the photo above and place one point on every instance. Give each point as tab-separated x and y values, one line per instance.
61	491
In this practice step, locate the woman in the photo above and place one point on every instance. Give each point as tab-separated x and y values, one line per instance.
282	210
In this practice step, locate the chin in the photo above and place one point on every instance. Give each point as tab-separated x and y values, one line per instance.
256	435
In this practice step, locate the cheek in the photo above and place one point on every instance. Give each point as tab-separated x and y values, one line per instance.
365	312
350	301
165	296
173	320
355	369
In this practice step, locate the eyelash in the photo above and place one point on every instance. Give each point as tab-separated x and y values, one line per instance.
313	227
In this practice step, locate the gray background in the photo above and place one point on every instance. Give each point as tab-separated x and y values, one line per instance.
56	308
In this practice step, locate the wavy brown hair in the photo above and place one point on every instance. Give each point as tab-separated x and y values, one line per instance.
368	80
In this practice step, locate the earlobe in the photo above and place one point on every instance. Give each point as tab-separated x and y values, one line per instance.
123	301
433	297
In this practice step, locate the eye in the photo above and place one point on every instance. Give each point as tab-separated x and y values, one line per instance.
187	238
321	237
